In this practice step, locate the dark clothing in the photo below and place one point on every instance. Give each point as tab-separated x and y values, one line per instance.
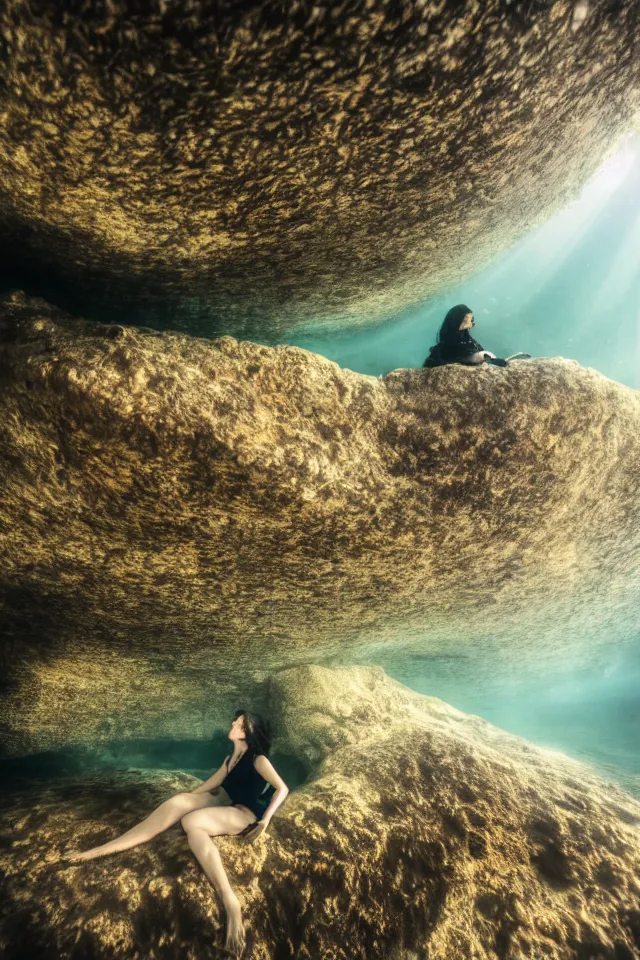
458	347
245	785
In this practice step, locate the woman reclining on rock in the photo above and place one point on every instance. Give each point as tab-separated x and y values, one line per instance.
244	809
456	345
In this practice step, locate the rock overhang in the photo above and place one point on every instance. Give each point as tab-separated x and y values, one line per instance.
250	170
182	517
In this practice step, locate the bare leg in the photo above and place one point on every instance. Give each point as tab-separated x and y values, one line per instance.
208	856
160	819
200	827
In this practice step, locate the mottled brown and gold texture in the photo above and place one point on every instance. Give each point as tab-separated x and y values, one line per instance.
180	517
422	832
245	167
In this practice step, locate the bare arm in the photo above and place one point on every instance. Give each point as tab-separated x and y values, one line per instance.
479	357
214	780
266	769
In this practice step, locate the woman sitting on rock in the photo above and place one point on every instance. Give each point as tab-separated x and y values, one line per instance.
456	345
243	806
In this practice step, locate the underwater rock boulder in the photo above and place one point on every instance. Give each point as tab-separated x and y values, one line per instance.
181	517
244	168
421	832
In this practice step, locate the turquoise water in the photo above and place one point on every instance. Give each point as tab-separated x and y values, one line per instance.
571	288
592	715
196	757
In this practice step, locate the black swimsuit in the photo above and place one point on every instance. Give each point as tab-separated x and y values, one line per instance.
458	347
245	785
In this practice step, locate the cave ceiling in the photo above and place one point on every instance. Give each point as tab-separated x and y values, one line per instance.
250	168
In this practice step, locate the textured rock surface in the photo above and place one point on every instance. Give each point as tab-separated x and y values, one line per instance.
180	517
422	832
240	168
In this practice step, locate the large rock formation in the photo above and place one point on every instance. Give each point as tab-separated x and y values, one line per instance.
422	832
242	167
181	517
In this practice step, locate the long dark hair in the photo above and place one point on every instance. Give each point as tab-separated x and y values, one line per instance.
257	732
451	323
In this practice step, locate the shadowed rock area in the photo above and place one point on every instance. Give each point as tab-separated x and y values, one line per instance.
180	517
421	832
246	167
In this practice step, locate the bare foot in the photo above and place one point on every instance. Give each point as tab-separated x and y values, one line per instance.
235	942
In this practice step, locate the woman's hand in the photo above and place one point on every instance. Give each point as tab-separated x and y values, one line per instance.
252	832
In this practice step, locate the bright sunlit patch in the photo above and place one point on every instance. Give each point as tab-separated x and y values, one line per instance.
569	288
611	174
580	14
540	258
